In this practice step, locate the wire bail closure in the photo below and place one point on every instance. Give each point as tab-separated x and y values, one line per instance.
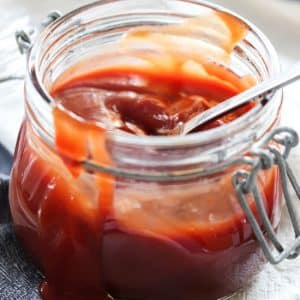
24	42
273	150
24	39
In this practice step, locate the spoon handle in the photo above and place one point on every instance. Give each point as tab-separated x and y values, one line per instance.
260	90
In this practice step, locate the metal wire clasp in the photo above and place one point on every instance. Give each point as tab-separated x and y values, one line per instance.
24	40
274	149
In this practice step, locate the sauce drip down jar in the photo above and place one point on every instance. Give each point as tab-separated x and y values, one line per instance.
164	220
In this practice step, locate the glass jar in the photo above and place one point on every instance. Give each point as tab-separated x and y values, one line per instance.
166	221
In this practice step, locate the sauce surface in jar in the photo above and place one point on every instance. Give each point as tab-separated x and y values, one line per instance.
92	233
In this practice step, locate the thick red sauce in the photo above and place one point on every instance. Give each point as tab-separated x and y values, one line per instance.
143	103
87	245
93	235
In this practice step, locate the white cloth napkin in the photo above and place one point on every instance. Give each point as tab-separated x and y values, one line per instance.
11	63
277	283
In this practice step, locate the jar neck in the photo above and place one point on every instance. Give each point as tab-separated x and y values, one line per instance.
88	29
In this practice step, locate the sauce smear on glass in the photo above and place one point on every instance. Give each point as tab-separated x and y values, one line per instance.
93	234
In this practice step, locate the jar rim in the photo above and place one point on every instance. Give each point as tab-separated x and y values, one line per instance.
201	137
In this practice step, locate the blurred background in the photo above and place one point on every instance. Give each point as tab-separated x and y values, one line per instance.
279	19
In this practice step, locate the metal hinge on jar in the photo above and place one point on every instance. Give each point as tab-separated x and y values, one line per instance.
23	38
265	155
24	42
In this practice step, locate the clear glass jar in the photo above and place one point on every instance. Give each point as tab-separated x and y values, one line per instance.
173	228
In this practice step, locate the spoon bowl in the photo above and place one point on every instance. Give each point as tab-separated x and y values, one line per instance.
261	93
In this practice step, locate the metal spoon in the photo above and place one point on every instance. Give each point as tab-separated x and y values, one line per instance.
259	92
